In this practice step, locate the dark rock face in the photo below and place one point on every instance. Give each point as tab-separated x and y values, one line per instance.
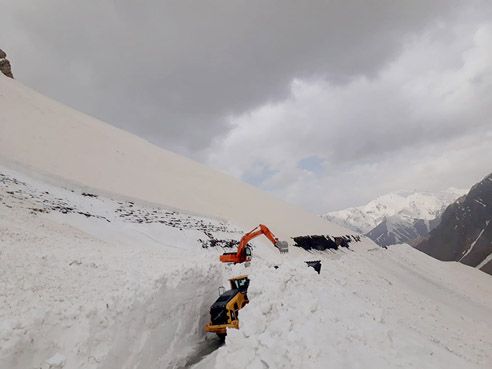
5	66
324	242
465	231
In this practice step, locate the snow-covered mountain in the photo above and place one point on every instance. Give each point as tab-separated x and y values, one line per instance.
102	265
406	204
397	217
465	232
400	229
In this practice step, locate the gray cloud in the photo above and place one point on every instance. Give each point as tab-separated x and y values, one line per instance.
214	80
328	146
172	70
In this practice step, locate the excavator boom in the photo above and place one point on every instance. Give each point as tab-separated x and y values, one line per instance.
244	251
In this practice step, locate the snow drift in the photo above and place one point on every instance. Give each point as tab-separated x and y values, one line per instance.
372	308
86	286
40	134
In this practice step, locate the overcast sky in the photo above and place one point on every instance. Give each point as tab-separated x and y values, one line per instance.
327	104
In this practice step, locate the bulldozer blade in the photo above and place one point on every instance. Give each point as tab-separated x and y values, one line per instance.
283	246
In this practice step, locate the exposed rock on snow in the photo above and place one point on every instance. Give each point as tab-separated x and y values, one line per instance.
5	66
324	242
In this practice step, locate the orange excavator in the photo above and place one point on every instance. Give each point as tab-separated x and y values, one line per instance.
243	253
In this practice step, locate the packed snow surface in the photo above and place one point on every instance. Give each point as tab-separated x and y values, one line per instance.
371	308
97	282
403	205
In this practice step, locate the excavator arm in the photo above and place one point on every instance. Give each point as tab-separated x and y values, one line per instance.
244	253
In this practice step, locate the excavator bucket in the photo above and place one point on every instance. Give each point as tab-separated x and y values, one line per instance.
282	246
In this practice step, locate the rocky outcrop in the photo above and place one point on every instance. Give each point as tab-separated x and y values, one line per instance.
465	231
5	66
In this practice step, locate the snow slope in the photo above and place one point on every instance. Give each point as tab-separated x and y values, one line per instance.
405	205
43	136
102	265
95	282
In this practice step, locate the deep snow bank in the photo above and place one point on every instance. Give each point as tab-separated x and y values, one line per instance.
40	134
89	282
92	282
372	308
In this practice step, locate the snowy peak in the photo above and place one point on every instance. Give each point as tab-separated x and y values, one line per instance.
396	229
405	204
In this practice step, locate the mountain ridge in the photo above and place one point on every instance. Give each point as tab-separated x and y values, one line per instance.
423	205
465	231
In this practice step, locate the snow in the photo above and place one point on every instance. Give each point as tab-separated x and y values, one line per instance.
478	201
372	308
105	291
99	292
102	266
56	361
485	261
403	204
59	144
87	277
472	245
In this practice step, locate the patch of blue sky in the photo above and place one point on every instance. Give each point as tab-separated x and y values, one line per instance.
313	164
258	175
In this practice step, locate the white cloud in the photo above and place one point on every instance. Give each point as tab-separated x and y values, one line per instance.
422	122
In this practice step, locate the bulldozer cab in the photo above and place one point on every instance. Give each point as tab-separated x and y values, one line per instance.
240	283
224	312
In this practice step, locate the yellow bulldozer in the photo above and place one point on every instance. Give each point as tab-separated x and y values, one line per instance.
225	310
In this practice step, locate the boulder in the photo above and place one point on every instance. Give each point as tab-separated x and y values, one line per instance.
5	66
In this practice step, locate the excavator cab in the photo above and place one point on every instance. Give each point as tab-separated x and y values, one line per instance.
248	254
243	253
